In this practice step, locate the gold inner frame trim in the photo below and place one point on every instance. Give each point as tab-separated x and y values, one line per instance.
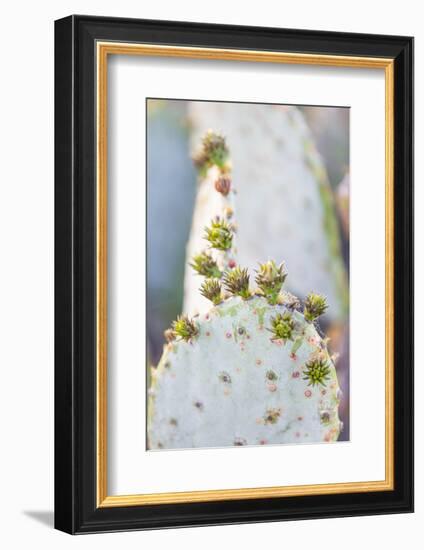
104	49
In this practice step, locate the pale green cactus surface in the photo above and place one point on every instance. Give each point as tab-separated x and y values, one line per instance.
252	370
234	384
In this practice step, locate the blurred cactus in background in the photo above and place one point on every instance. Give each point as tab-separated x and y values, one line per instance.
167	228
281	194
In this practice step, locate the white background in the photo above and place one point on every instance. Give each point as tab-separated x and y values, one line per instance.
131	80
26	289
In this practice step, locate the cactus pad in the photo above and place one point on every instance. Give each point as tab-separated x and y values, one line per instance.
235	384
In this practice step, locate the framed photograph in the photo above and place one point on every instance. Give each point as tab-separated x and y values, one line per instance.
234	274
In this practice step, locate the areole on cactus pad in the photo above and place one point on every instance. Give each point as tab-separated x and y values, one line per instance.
254	369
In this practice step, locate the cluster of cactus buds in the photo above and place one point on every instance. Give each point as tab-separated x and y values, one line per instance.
315	306
270	277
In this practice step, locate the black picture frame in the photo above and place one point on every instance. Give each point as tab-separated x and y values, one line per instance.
76	509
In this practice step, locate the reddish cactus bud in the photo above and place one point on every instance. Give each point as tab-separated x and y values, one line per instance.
223	185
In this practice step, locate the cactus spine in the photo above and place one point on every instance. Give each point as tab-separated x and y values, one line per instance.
253	369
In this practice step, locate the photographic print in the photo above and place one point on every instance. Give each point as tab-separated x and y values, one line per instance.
225	318
247	274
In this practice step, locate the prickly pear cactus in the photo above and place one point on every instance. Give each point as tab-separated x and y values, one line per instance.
253	369
279	181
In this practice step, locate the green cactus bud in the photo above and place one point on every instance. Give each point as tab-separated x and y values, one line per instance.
213	152
185	328
271	375
215	149
236	282
220	234
211	289
282	326
205	265
317	371
270	279
315	305
225	377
